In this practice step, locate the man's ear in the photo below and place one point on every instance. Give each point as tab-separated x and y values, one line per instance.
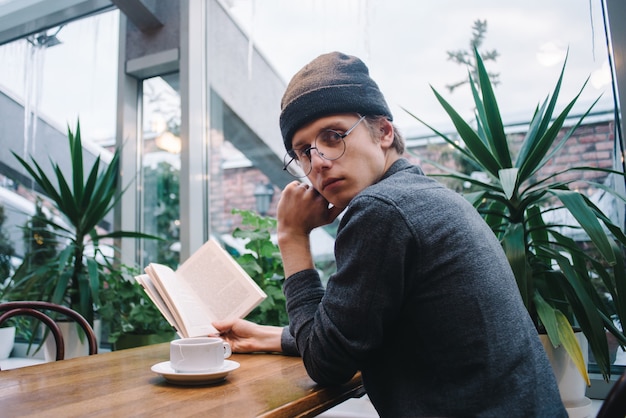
386	132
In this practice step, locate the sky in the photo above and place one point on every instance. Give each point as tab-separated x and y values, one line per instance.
403	42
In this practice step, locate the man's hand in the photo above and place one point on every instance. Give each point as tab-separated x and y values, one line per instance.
300	209
248	337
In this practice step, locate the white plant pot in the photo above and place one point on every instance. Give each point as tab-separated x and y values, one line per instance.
7	338
572	386
76	345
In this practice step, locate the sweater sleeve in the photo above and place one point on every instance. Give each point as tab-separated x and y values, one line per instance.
288	343
338	329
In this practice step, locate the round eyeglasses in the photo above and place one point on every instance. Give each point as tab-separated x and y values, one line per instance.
329	144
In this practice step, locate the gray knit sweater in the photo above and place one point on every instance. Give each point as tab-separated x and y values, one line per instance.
425	304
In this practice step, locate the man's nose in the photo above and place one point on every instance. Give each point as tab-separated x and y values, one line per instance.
317	159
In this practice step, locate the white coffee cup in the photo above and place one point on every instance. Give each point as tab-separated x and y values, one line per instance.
198	355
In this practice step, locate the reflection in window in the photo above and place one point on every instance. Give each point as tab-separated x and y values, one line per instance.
48	81
161	147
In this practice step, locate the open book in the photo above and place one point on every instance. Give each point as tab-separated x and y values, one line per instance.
208	286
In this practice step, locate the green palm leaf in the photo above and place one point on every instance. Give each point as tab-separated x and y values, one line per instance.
76	152
509	181
534	131
479	151
491	116
514	246
588	221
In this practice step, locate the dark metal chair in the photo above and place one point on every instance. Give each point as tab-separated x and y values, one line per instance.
39	310
614	406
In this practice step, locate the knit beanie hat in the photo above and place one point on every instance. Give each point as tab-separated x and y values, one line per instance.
330	84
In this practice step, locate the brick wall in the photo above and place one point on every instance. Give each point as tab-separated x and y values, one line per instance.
238	193
591	145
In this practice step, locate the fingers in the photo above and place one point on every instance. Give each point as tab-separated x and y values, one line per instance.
223	326
298	184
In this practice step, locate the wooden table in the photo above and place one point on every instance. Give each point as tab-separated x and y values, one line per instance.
121	383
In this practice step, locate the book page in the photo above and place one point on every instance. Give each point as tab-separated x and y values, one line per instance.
145	281
226	290
182	301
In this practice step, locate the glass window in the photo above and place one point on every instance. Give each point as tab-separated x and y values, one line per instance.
48	82
161	146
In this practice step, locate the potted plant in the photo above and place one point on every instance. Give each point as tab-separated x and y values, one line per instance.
264	264
554	274
7	339
6	250
130	317
74	277
7	329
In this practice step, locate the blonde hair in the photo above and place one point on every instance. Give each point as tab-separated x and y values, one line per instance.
373	123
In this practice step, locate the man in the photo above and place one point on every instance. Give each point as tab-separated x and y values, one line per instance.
423	302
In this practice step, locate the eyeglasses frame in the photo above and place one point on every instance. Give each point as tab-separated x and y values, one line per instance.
342	136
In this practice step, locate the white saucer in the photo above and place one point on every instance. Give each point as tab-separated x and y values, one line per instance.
214	376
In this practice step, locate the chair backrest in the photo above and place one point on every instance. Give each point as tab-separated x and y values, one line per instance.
40	311
614	405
